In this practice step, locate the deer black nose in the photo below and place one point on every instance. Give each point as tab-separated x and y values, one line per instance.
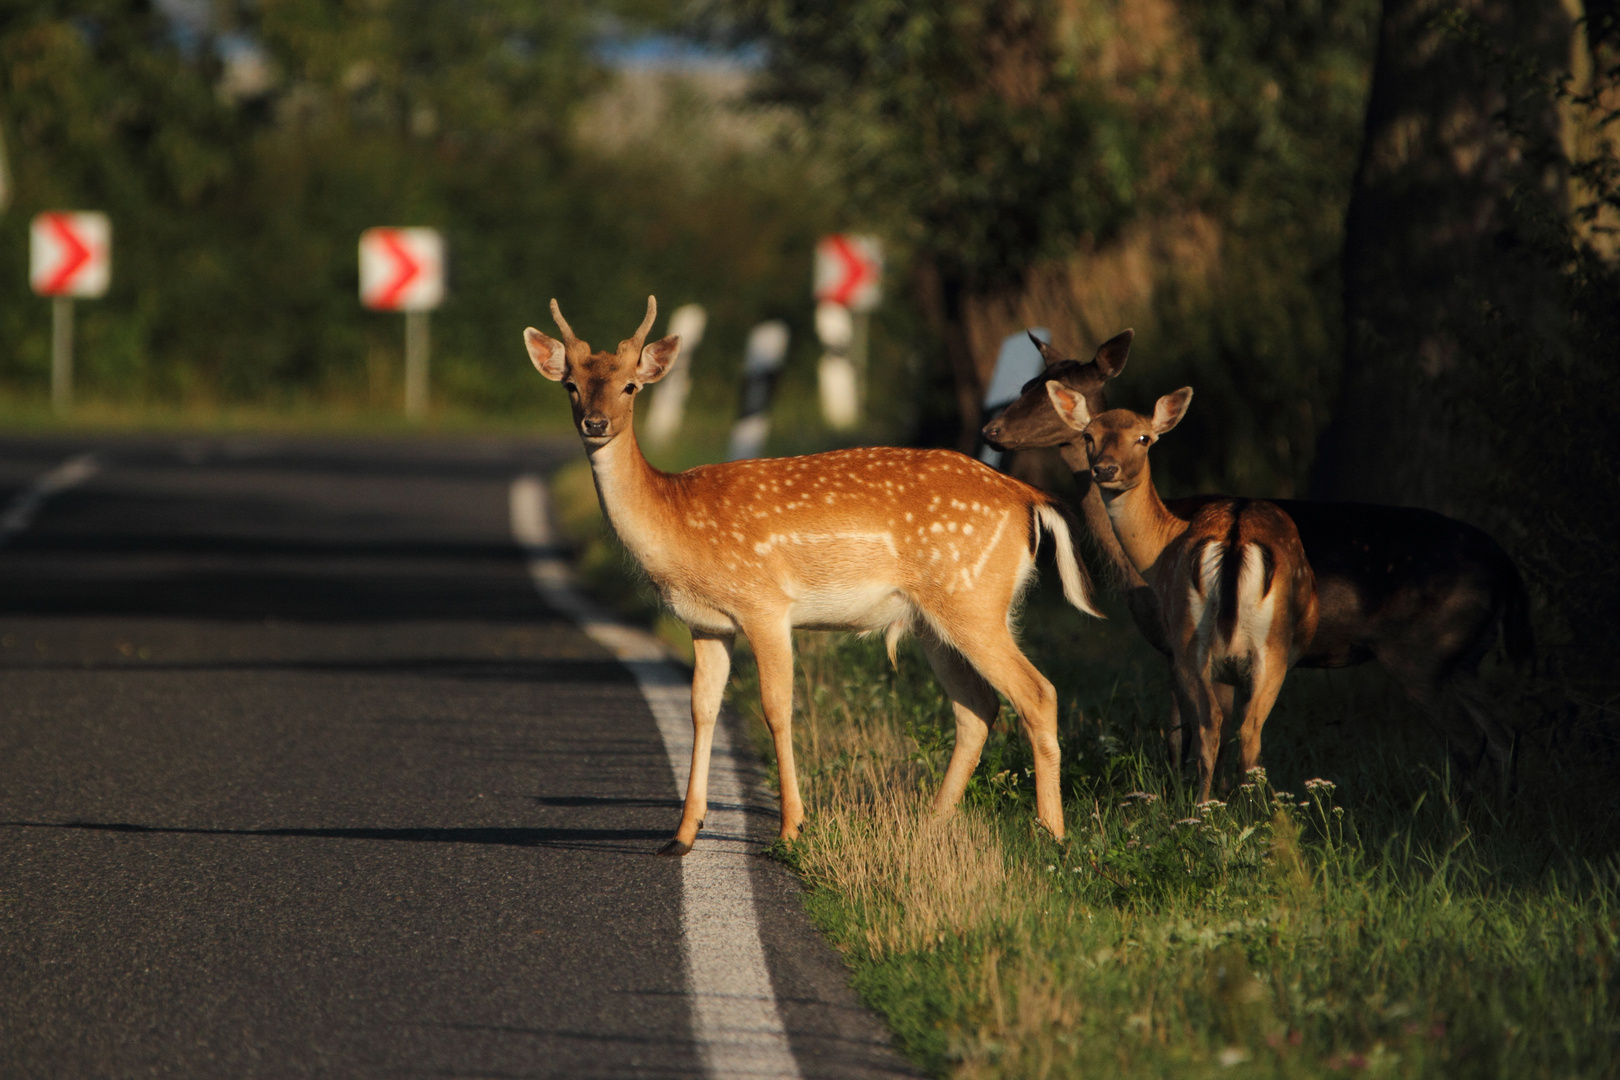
594	427
1104	473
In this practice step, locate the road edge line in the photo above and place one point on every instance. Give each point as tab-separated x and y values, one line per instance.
736	1019
24	506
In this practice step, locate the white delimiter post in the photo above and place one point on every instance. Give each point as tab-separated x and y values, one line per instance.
62	354
416	364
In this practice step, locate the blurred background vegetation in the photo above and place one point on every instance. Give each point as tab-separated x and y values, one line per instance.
1184	168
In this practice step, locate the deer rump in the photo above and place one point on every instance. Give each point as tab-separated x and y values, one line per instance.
1400	579
1227	563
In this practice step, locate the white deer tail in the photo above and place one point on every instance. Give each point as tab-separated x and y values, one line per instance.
1076	581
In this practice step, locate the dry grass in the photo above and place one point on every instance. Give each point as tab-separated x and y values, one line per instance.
1380	929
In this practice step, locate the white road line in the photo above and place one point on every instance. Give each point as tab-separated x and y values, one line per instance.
737	1021
20	514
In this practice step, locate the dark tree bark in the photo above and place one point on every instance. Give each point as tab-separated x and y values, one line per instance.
1434	256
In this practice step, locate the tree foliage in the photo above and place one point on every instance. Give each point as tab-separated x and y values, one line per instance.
238	191
1086	166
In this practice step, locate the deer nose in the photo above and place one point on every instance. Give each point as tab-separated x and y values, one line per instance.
594	426
1104	473
992	433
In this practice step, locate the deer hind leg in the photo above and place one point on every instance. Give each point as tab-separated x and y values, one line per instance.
1265	682
773	653
1178	737
975	705
710	668
997	658
1499	737
1202	709
1425	688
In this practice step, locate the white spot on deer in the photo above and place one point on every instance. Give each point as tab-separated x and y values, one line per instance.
967	530
908	515
936	527
951	526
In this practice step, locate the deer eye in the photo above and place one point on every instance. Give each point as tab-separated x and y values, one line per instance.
630	388
570	387
1143	440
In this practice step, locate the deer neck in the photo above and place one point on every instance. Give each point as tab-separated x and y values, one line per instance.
1095	514
1142	523
634	496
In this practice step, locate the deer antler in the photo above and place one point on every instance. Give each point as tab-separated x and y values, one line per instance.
562	324
646	324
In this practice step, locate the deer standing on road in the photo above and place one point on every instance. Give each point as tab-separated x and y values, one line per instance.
876	540
1237	595
1424	595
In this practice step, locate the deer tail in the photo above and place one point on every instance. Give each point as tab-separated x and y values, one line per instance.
1077	587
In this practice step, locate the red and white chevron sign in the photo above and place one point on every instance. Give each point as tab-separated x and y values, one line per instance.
70	253
849	271
401	269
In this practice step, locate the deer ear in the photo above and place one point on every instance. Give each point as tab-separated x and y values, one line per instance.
657	358
546	354
1169	410
1048	353
1070	406
1111	354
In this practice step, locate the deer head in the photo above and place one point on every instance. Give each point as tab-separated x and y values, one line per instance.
602	386
1029	422
1117	441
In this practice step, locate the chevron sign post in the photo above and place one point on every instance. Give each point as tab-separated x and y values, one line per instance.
848	284
849	271
403	270
70	254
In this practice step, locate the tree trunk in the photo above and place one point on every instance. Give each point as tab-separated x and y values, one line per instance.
1434	255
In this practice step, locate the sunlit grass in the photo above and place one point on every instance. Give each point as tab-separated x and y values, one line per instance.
1344	914
1347	913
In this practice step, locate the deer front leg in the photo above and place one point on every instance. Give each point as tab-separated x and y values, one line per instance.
711	666
773	653
975	705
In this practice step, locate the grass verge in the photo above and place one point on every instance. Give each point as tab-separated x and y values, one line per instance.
1347	914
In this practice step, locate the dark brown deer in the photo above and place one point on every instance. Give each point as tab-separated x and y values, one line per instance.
1424	595
1236	592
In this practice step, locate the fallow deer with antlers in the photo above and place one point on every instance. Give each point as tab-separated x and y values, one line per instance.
876	540
1237	595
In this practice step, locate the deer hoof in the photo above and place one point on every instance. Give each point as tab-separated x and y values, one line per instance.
675	847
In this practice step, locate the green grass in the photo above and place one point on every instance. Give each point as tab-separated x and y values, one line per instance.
1349	914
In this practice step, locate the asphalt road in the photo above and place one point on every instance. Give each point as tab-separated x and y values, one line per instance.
300	777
